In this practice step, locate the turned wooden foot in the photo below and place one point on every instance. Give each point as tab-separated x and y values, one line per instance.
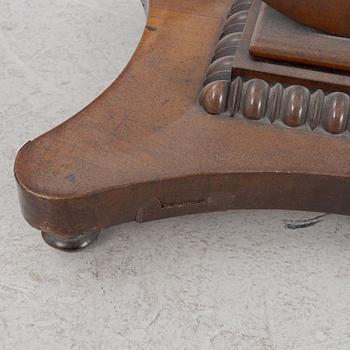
72	243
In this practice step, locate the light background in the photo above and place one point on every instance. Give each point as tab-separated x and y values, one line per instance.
237	280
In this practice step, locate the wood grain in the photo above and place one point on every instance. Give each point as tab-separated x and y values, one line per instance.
305	45
145	149
331	16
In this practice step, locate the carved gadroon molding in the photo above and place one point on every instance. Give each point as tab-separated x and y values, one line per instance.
256	99
216	87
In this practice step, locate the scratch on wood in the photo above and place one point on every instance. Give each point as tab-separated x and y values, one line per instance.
183	204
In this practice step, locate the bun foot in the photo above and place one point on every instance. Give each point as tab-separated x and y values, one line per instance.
78	242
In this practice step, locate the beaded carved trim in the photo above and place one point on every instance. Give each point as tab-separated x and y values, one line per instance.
256	99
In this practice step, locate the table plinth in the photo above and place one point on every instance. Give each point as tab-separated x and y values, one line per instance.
158	143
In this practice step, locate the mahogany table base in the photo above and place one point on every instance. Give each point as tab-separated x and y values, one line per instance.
158	144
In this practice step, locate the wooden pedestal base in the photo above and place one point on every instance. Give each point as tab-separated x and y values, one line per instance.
146	149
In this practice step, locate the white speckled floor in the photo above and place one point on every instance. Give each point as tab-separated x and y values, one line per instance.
235	280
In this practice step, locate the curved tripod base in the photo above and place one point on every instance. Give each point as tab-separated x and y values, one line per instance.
146	150
71	244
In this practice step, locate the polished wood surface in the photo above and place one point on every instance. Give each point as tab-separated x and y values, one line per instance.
274	92
311	77
304	45
146	149
331	16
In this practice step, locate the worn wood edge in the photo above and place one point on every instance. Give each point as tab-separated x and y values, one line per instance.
192	194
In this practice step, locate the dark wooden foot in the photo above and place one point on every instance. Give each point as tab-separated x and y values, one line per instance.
73	243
